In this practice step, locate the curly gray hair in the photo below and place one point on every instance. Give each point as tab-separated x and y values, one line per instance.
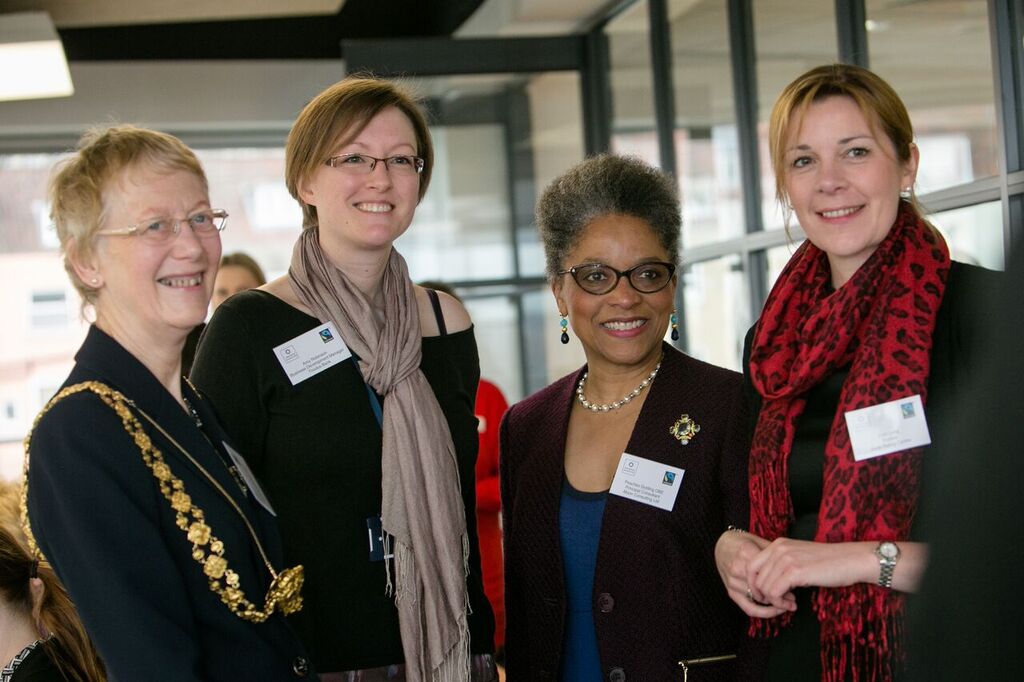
604	185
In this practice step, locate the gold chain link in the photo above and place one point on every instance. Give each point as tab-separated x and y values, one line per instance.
285	591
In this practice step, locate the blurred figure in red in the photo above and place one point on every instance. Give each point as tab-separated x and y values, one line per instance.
490	407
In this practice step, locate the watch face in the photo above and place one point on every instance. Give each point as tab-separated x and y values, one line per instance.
889	550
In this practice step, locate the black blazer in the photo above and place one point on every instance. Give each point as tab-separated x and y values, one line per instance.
99	517
658	598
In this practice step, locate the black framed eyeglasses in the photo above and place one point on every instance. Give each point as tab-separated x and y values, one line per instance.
598	278
204	224
363	164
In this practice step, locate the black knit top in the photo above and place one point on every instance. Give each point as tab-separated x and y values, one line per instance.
316	447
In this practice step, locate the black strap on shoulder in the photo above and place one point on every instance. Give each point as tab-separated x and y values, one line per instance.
435	301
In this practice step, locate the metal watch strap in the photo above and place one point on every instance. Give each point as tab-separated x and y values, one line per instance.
887	564
885	574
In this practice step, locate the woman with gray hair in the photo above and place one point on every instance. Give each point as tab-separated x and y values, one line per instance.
617	479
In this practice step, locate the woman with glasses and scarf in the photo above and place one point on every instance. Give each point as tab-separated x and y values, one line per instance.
617	479
135	494
864	341
353	391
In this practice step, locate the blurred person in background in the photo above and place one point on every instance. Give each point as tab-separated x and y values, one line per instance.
965	620
41	636
237	272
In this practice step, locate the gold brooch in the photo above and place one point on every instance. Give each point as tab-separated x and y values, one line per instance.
685	429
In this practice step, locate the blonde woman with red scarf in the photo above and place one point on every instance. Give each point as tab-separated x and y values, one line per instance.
869	314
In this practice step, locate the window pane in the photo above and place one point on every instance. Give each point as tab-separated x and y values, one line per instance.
705	138
495	325
547	357
461	229
974	234
264	220
553	143
790	38
938	57
629	45
42	327
778	256
717	317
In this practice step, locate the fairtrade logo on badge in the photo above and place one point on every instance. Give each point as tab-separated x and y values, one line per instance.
908	410
669	479
326	335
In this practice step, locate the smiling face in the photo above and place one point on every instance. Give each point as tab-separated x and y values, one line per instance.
843	179
366	212
151	294
623	327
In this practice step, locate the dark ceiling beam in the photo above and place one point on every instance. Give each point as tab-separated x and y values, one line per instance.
309	37
455	56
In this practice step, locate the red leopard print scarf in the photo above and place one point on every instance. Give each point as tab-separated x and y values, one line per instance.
879	323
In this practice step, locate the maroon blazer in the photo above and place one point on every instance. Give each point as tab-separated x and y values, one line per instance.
658	598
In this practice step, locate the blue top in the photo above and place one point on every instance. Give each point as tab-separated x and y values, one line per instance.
579	525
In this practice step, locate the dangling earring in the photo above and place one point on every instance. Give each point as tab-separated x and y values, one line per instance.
675	325
906	193
564	323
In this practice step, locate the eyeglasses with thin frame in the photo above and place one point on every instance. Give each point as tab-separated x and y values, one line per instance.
363	164
204	224
598	278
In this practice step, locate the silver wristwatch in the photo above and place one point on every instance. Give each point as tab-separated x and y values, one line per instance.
888	554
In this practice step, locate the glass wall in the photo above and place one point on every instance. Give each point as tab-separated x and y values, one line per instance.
970	236
632	88
498	141
715	292
707	152
502	138
938	57
790	37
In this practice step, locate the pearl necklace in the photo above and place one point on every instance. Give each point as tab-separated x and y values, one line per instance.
618	403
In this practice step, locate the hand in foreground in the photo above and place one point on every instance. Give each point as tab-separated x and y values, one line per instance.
733	553
786	564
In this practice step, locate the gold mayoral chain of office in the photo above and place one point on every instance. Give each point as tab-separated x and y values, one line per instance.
285	591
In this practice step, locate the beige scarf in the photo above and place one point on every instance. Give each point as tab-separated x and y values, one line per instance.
422	508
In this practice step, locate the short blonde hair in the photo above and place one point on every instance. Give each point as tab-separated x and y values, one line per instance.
78	183
339	114
880	104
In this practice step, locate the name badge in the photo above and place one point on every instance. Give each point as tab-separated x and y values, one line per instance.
311	353
646	481
890	427
250	480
